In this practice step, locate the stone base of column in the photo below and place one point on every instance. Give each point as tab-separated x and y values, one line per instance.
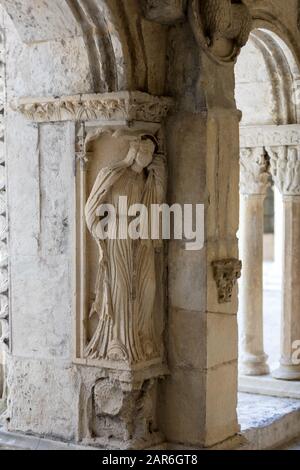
287	373
254	365
117	409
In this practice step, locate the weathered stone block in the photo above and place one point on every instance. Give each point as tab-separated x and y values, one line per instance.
222	339
187	343
124	418
187	281
221	403
47	20
182	407
42	398
41	303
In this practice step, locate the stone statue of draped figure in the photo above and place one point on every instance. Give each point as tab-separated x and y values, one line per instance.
126	284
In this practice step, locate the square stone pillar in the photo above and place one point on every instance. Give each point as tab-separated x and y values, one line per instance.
198	401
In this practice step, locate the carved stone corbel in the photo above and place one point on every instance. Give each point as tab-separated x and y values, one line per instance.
221	27
226	273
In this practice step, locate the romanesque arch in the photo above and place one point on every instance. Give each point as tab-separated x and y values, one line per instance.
269	152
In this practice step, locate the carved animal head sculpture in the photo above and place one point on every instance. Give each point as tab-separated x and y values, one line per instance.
220	22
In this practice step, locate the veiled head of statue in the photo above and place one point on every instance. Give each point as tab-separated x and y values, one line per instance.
142	151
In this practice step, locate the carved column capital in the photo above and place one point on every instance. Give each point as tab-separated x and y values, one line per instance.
285	168
254	171
226	273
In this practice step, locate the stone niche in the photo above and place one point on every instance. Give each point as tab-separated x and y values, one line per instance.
120	287
117	395
106	147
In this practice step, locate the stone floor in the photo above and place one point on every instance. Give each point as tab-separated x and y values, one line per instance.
268	422
257	411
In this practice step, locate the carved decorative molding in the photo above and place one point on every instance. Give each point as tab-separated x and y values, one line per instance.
285	168
255	176
226	273
120	106
265	136
221	27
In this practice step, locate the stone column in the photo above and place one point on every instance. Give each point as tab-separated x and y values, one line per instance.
254	184
285	166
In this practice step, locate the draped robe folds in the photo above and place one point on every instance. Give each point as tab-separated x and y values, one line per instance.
127	280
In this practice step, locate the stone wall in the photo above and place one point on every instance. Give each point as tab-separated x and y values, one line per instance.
40	176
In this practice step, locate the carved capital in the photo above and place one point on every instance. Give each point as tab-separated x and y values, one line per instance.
285	169
226	273
254	171
221	27
120	106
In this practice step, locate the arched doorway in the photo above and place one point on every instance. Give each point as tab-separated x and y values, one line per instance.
267	93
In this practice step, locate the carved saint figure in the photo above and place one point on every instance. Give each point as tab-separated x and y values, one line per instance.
126	283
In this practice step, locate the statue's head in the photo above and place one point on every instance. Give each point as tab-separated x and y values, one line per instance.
144	149
145	153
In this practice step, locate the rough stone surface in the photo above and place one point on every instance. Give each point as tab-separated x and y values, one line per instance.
42	398
41	21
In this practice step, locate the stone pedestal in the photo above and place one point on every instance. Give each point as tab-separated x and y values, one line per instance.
118	411
254	183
